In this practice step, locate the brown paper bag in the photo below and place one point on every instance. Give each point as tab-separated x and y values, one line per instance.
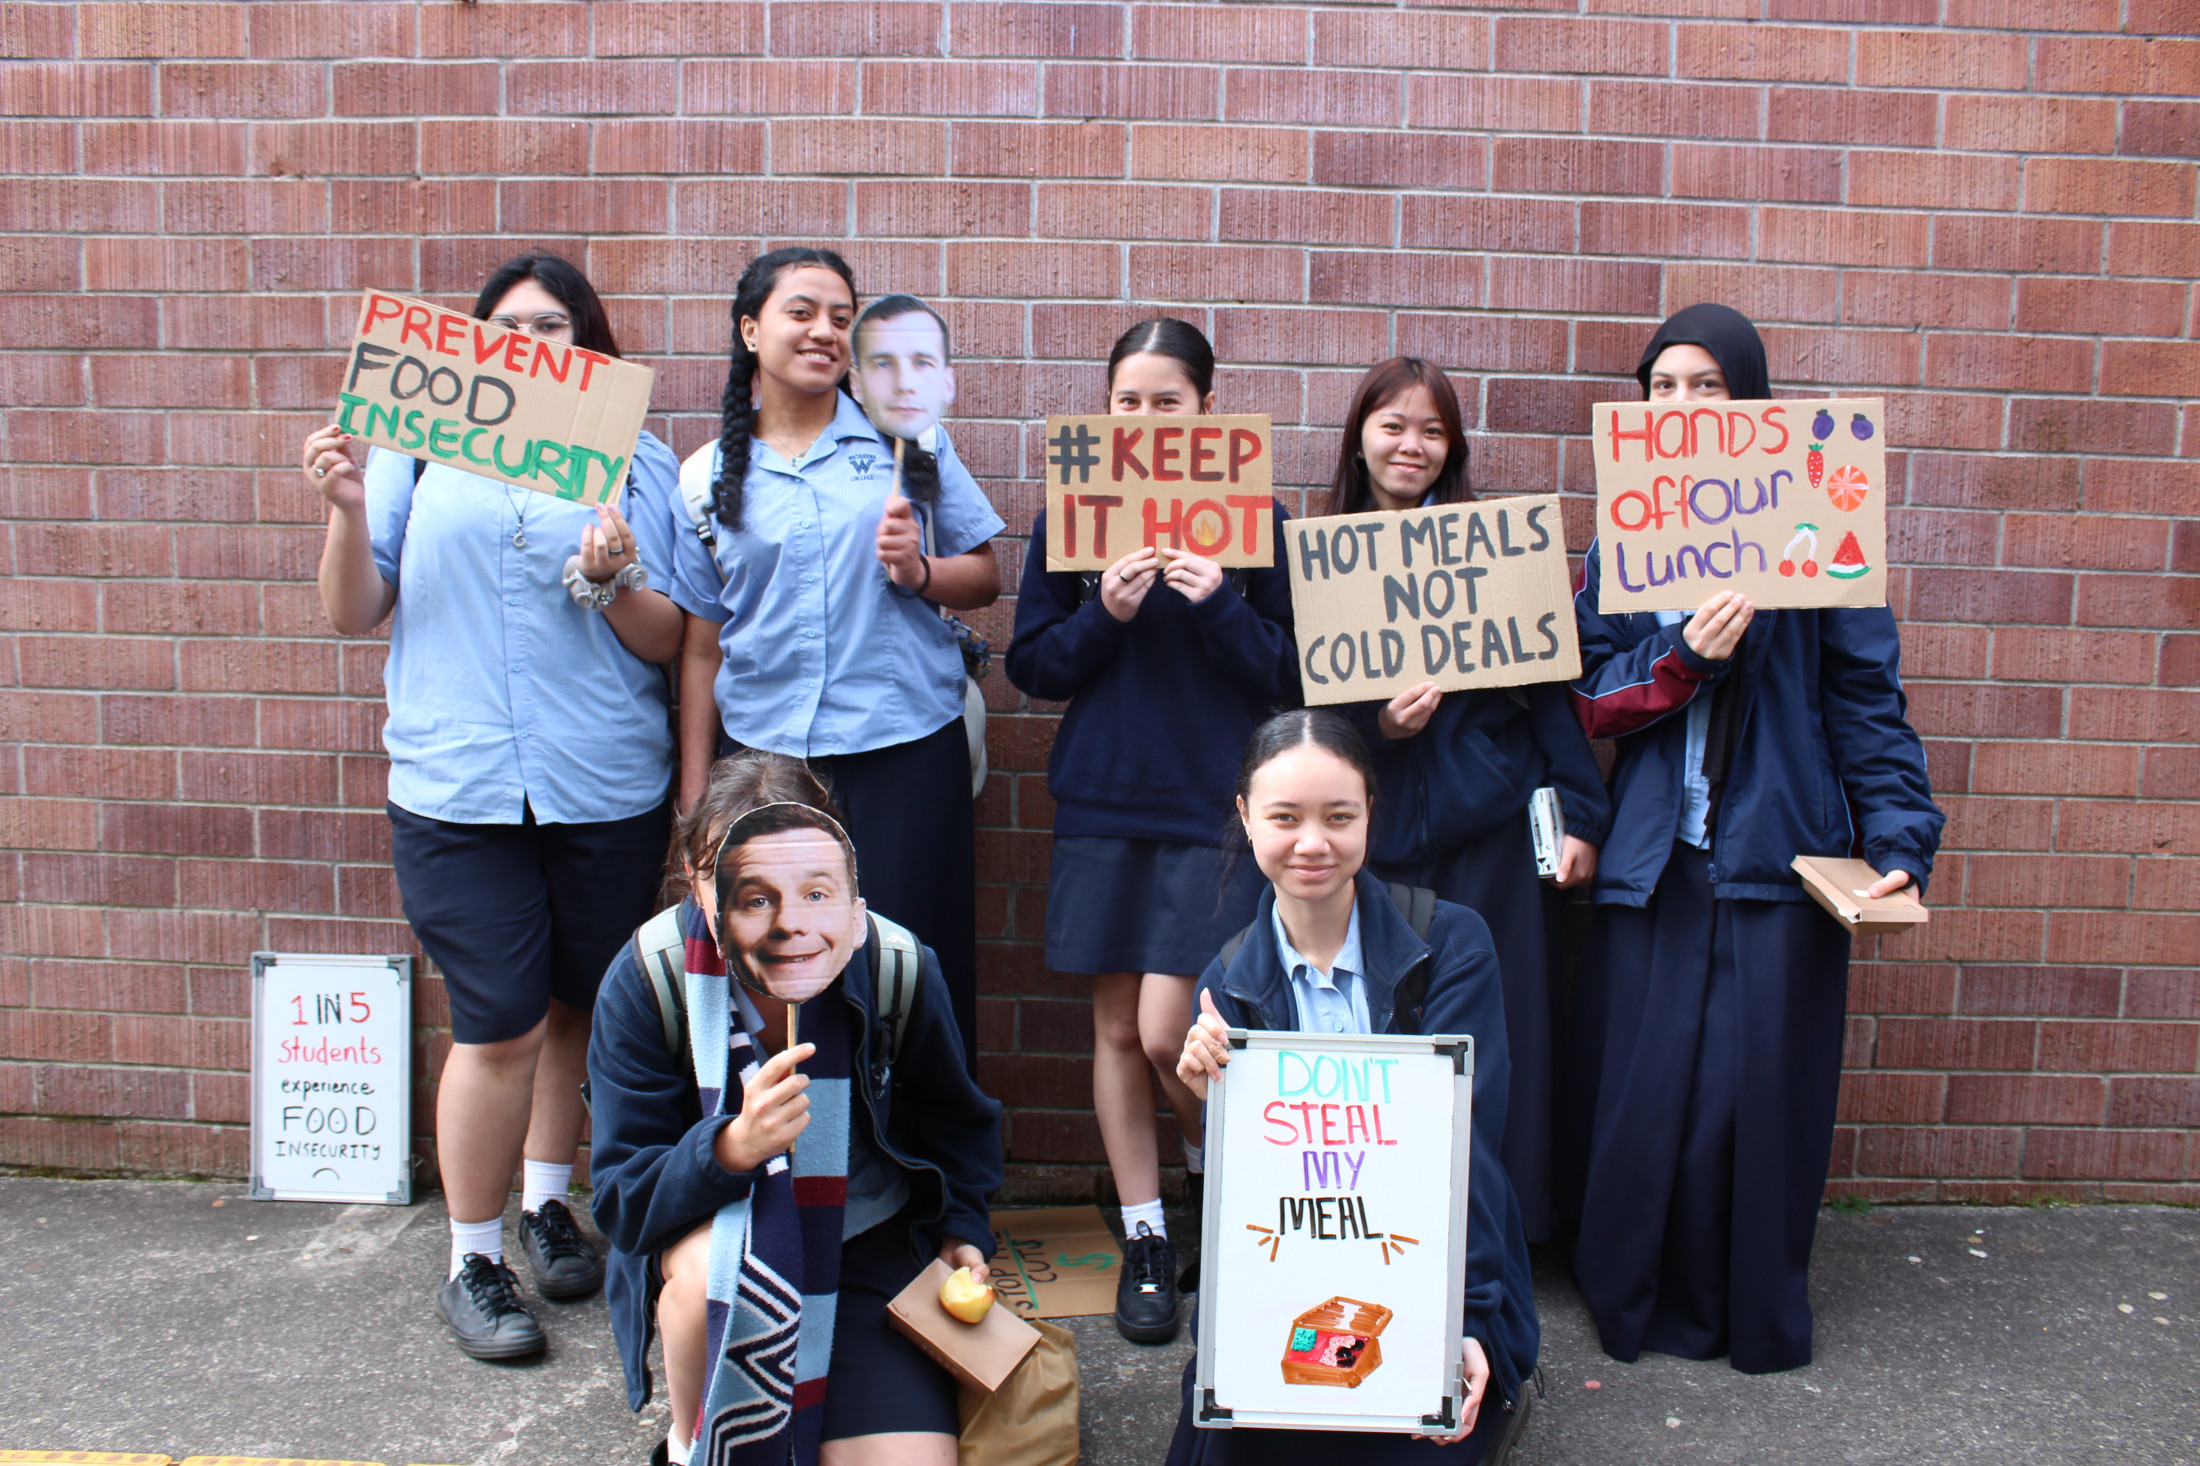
1031	1420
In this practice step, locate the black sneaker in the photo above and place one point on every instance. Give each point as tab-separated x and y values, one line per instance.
564	1264
482	1307
1145	1295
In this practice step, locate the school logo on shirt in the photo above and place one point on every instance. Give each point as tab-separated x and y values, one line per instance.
861	463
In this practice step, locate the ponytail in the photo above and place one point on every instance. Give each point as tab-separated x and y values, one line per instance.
737	409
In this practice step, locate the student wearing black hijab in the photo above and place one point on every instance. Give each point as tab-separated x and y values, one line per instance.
1710	1015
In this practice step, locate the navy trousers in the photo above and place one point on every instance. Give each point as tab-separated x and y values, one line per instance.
909	814
1495	876
1720	1066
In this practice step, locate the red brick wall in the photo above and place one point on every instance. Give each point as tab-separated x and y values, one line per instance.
1993	228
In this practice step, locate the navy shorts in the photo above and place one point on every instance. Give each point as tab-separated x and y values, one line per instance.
1117	905
515	915
879	1382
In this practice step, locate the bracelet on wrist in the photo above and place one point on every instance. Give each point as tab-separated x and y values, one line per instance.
922	585
599	596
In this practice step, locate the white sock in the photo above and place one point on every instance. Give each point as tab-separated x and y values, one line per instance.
1195	1159
543	1182
676	1450
1148	1212
486	1238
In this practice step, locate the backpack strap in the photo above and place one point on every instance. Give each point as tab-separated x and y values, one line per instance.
698	474
660	949
895	973
1417	904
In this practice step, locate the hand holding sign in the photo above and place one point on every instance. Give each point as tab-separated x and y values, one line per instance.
1124	584
607	547
901	542
336	466
775	1110
1717	627
1195	577
1408	713
1206	1048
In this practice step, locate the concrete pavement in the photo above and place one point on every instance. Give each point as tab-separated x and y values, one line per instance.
180	1317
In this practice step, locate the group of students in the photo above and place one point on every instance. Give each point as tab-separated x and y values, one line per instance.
765	1196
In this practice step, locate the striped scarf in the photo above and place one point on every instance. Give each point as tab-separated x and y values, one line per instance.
775	1254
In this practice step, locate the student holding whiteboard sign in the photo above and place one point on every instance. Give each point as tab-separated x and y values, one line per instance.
530	761
1330	952
1713	1010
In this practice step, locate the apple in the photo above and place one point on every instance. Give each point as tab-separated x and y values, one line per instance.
964	1296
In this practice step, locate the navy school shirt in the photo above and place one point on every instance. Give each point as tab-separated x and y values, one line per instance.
1446	984
1160	706
1474	766
656	1176
1826	764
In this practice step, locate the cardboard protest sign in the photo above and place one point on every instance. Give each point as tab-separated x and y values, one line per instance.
1785	502
1333	1250
1462	595
331	1078
1118	484
445	388
1055	1262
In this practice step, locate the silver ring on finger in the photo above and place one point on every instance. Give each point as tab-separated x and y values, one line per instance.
320	473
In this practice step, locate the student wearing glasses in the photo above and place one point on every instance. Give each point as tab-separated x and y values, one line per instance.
530	765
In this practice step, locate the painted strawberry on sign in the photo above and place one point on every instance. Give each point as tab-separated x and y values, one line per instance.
1821	428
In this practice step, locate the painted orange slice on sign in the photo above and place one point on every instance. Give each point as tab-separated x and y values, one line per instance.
1846	486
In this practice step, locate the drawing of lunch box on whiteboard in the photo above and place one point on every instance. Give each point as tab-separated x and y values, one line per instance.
1336	1343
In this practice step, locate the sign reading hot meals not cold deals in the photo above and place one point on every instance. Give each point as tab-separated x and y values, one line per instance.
1783	501
331	1078
1118	484
1462	595
446	388
1334	1242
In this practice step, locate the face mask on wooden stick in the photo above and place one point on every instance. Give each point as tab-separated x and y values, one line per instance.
902	373
789	917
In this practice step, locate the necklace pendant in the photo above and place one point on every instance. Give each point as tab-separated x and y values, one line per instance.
519	538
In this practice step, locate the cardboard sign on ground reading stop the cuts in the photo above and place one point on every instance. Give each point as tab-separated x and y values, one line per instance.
444	387
1785	502
1462	595
1118	484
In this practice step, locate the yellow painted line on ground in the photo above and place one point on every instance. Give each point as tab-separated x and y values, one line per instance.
267	1461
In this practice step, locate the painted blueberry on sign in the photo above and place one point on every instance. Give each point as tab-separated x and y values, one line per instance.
1861	426
1821	426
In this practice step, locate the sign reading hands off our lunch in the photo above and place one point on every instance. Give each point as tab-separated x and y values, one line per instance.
1334	1234
1462	595
444	387
1118	484
1785	502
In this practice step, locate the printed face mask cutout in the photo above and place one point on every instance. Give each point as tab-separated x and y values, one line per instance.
902	375
789	918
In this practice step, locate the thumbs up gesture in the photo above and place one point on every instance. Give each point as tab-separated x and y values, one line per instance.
901	544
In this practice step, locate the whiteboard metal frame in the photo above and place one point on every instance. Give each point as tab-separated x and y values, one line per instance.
1208	1413
261	962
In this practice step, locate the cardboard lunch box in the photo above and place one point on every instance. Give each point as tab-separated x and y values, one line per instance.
1839	886
1335	1343
980	1355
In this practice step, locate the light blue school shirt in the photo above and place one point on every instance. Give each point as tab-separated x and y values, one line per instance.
1695	788
504	695
1328	1002
821	655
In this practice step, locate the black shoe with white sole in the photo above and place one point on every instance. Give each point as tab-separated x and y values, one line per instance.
483	1309
564	1264
1145	1294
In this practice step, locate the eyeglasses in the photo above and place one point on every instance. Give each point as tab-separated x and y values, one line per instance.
543	325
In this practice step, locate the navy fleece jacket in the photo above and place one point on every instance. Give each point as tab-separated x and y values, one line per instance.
1160	706
1826	763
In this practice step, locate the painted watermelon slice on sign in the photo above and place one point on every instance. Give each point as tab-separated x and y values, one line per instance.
1848	560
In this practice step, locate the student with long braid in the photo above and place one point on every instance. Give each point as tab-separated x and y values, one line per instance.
814	626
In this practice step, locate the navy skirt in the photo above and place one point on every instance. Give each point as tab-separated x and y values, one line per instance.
879	1382
1145	905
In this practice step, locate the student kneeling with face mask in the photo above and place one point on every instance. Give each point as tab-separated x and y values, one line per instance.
759	1192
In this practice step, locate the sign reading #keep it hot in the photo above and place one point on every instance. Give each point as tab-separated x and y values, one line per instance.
1198	484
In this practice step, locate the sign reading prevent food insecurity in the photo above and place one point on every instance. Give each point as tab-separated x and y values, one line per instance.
1785	502
446	388
1118	484
1462	595
1334	1235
